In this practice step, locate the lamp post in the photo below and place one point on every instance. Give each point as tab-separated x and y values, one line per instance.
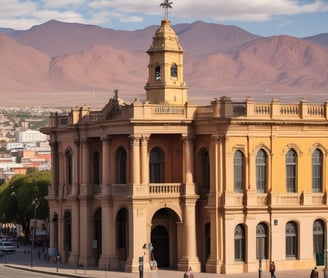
35	202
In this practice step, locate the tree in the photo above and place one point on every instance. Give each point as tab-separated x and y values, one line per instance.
17	197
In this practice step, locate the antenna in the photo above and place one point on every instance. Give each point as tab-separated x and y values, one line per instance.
166	5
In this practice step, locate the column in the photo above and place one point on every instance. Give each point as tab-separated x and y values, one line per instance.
144	160
106	164
85	230
214	201
75	253
76	169
188	162
251	197
137	235
85	168
135	159
108	259
54	167
189	258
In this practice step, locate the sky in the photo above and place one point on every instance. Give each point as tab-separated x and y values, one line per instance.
298	18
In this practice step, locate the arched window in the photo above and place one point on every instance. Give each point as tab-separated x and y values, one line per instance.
96	168
69	167
291	240
67	231
318	236
261	171
156	165
174	70
291	168
157	72
317	171
262	249
121	166
239	243
239	172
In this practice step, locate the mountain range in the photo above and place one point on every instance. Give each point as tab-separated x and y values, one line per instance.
62	64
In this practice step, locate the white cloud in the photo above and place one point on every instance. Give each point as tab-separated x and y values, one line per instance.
62	3
22	14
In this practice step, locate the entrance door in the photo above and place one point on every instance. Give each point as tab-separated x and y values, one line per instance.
160	241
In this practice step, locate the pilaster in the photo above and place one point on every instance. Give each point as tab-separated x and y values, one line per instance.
135	159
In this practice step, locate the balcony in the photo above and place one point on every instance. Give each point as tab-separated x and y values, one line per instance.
153	190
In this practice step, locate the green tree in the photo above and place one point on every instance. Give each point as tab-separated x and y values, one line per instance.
18	195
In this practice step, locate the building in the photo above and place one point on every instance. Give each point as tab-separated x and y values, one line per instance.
30	136
217	188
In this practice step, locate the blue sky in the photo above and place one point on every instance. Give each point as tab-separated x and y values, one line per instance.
299	18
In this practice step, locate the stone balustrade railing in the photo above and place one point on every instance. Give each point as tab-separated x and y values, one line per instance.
225	107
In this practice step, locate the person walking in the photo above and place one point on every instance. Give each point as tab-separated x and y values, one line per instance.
189	274
273	270
314	273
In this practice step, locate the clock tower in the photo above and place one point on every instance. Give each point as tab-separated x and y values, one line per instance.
165	69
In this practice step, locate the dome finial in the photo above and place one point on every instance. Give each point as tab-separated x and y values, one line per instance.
166	5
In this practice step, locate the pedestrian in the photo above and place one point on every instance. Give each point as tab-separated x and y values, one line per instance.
190	273
272	269
314	273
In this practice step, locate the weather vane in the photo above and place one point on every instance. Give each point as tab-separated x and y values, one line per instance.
166	5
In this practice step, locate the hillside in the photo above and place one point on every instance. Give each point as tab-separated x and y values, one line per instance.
63	62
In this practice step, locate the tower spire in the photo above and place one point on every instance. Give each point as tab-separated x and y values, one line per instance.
166	5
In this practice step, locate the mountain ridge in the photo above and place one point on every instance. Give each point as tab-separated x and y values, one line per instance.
56	58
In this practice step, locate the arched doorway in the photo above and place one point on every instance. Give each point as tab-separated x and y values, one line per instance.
122	232
160	241
164	238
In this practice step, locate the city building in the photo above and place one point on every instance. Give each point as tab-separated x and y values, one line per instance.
218	188
30	136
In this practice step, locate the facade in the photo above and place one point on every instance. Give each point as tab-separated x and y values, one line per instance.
30	136
215	187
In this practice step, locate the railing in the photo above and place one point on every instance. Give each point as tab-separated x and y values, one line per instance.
166	109
154	190
262	109
165	188
225	107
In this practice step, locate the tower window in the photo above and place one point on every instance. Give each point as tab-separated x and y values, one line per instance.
158	73
174	70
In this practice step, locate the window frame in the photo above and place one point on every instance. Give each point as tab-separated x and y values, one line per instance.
317	171
291	171
238	172
291	250
239	243
261	171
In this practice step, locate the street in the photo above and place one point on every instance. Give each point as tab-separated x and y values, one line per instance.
18	264
6	272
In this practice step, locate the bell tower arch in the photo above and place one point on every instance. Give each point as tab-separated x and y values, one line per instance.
165	69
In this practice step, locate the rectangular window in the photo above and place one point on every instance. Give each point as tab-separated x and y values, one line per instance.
317	171
291	178
291	244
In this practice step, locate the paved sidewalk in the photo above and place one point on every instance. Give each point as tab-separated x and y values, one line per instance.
22	259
